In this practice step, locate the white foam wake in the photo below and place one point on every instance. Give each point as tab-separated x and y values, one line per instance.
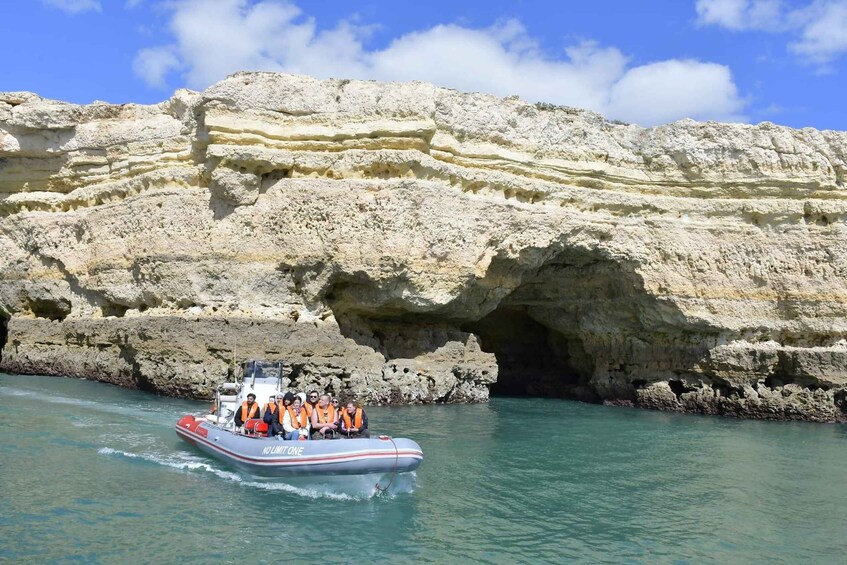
358	487
190	464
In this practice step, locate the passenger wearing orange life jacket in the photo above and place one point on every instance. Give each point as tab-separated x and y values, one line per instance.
310	404
324	419
270	407
354	422
248	409
272	415
295	421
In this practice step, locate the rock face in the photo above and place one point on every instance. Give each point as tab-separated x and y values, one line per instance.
407	243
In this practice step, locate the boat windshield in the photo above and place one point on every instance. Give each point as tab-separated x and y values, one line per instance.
261	369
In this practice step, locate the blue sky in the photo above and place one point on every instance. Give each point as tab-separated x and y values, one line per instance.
646	62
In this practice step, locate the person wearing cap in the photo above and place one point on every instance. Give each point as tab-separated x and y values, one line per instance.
324	419
295	421
249	409
354	421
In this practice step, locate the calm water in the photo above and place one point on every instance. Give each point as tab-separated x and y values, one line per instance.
93	473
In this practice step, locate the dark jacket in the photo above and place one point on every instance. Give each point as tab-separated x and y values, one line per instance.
238	421
364	421
272	417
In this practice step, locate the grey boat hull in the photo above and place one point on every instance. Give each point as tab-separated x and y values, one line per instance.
273	457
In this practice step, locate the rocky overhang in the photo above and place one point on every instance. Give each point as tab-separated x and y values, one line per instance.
403	243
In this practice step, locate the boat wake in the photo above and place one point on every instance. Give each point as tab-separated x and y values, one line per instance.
183	463
347	487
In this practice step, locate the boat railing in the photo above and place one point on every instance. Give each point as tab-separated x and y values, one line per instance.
262	378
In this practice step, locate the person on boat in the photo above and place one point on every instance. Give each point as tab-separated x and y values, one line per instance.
311	403
249	409
324	419
271	417
295	421
354	421
270	408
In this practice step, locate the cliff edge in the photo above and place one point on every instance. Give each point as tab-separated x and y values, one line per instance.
407	243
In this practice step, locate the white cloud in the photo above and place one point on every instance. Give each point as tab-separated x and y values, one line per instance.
740	14
214	38
481	60
75	6
824	32
819	28
660	92
153	64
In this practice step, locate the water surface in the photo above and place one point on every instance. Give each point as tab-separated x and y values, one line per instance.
94	473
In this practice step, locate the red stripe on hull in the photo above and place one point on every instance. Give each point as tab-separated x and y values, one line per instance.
301	461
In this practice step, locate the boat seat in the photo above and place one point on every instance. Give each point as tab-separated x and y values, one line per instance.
255	426
215	419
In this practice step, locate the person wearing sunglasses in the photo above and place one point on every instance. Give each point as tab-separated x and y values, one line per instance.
311	402
324	419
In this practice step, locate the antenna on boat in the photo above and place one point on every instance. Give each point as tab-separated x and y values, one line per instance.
234	357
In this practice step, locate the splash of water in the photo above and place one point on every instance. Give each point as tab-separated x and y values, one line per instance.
347	487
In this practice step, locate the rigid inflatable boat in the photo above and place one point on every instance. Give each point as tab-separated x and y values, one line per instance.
251	451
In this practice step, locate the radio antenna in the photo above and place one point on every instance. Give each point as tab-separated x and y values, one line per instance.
234	357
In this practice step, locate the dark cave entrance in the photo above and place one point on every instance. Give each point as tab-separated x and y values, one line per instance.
546	334
533	360
4	333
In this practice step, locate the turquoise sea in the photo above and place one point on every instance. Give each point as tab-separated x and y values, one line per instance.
91	473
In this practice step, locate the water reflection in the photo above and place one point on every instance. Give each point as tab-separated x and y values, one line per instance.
87	464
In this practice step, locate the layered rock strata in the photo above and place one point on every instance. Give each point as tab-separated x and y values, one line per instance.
406	243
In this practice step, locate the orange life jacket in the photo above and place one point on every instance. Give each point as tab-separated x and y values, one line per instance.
300	421
356	420
271	406
247	413
324	414
308	407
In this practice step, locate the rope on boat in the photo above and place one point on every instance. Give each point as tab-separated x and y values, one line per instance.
394	472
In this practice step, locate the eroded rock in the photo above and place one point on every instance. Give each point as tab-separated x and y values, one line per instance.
407	243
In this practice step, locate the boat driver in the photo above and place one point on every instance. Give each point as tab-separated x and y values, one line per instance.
324	419
249	409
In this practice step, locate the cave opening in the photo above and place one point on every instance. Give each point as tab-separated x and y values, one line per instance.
532	359
4	333
547	332
550	334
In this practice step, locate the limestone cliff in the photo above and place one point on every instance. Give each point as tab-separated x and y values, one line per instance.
407	243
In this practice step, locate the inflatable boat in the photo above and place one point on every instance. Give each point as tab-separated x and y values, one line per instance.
250	450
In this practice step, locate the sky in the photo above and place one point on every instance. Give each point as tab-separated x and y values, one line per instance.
647	62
